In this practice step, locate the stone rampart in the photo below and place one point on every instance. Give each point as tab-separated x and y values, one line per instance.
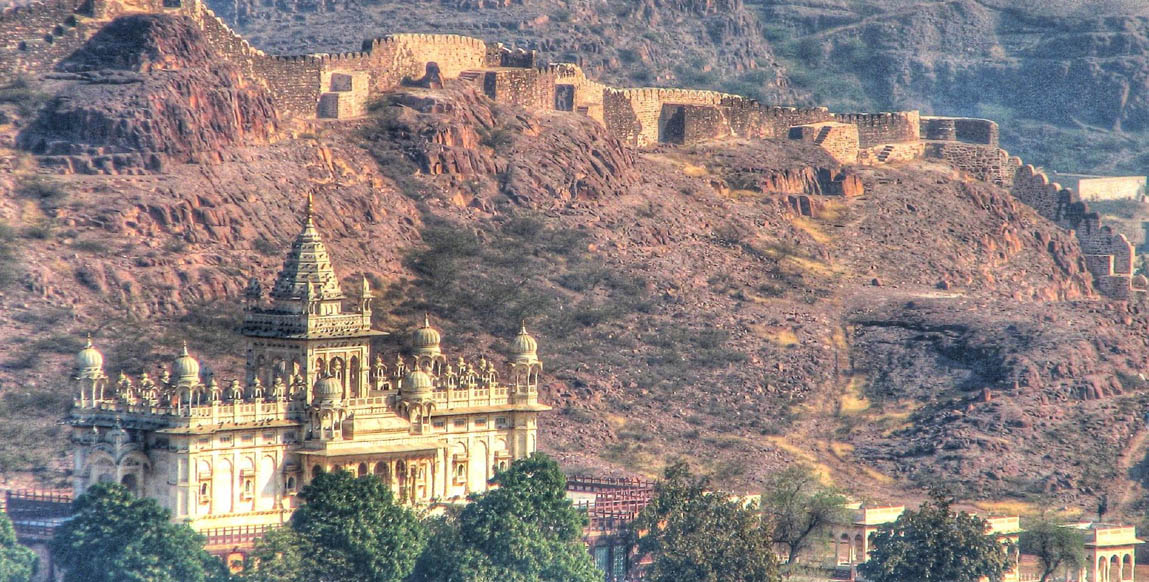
840	140
690	124
963	129
987	163
36	36
1109	256
883	128
530	88
634	115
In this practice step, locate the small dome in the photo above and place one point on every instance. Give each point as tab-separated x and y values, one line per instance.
417	383
524	348
186	368
89	361
425	340
329	389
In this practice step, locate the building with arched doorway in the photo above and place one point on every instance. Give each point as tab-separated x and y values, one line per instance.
230	457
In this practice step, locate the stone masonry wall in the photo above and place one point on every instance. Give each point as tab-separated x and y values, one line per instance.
1109	256
984	162
883	128
963	129
530	88
634	115
840	140
690	124
35	36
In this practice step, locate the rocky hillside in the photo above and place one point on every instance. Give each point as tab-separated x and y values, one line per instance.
706	302
1067	79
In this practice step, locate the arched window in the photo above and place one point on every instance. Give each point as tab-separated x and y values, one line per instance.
461	472
316	471
362	470
291	483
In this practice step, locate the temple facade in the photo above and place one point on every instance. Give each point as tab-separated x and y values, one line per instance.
315	398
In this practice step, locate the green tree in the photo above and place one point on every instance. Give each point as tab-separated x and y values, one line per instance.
524	530
933	544
1054	545
17	563
278	557
695	535
799	508
351	529
117	537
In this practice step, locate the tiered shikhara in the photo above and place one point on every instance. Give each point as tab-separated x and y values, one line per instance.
315	399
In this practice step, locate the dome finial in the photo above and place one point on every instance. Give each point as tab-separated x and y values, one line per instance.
426	319
88	344
184	351
310	206
523	326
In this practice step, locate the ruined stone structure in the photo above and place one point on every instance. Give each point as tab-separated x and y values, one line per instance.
316	398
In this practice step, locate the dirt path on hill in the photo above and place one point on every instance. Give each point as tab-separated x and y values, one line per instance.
1132	465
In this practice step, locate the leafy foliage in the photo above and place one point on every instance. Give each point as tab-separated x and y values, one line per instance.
525	530
1054	545
351	529
277	557
933	544
17	563
695	535
799	508
117	537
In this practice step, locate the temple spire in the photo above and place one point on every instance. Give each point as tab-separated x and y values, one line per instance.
307	263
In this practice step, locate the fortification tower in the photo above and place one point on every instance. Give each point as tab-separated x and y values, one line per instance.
303	334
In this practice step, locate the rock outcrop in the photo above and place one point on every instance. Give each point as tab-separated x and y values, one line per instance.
143	90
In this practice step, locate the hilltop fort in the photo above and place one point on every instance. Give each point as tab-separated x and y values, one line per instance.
340	86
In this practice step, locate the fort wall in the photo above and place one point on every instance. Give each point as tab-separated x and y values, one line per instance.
1109	256
36	36
987	163
883	128
530	88
963	129
840	140
635	115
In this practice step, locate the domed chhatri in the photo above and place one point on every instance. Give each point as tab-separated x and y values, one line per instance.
328	389
417	383
89	361
425	340
186	368
524	348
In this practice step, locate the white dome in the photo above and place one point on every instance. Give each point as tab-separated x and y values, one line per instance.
425	340
524	348
329	389
89	361
186	368
417	383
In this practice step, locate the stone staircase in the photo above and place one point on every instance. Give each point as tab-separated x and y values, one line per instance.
822	135
470	76
885	153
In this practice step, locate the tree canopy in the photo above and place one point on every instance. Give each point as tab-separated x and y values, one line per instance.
526	530
116	537
798	508
17	563
934	544
1054	545
695	535
351	529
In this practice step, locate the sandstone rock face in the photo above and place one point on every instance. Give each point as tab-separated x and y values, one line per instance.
148	86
